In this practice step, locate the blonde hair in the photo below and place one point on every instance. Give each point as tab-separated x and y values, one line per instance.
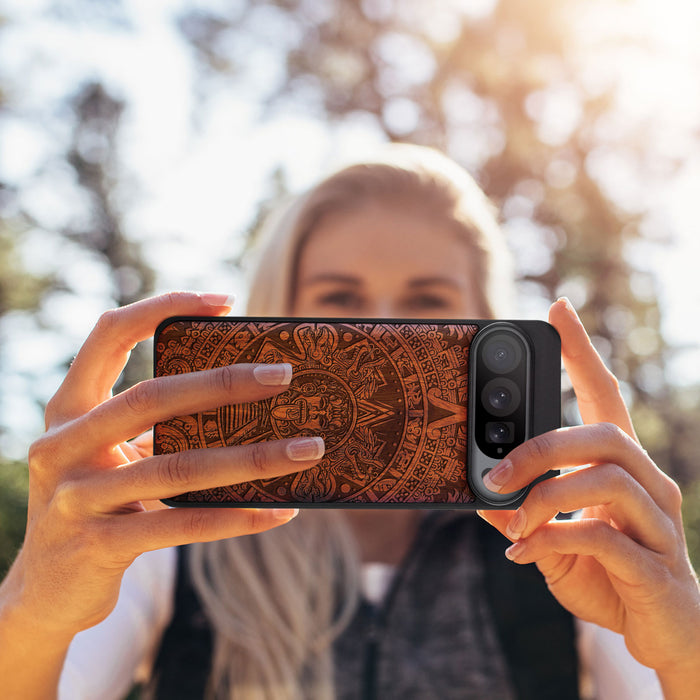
404	175
277	600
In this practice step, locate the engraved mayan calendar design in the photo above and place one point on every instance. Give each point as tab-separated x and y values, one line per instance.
390	402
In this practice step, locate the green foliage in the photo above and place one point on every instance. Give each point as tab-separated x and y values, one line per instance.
93	155
18	289
14	483
691	521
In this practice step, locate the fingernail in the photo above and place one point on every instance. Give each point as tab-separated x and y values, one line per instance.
304	449
273	375
517	524
515	550
499	476
218	299
569	306
285	514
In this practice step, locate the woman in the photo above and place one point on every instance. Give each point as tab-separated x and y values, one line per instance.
410	236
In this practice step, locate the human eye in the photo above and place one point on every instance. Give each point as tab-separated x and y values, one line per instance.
427	302
345	300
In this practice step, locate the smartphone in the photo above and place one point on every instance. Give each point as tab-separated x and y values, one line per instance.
414	413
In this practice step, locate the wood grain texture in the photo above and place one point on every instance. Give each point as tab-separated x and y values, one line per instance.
390	401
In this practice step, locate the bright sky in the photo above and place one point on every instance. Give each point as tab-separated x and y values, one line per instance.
194	189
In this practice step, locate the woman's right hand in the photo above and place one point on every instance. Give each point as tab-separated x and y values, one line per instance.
88	516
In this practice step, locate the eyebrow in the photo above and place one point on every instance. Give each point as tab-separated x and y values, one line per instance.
333	277
433	281
350	280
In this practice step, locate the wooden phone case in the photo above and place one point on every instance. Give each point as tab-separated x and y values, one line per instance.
388	397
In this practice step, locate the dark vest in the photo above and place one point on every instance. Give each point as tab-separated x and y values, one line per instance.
460	621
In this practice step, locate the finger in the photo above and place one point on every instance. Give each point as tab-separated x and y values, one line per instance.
143	444
142	532
596	388
606	486
138	448
131	452
141	406
579	445
169	475
614	550
105	352
497	518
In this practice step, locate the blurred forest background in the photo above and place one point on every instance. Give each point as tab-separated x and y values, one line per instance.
580	119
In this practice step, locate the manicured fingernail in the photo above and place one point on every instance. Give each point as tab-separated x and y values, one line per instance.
273	375
218	300
305	449
569	306
285	514
517	525
498	476
515	550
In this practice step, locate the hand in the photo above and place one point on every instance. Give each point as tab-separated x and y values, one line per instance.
88	517
624	564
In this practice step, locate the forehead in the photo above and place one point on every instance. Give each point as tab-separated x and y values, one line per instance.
380	238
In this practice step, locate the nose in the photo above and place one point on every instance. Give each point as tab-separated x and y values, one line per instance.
382	308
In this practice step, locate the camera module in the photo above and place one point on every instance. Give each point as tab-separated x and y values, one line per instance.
500	398
504	360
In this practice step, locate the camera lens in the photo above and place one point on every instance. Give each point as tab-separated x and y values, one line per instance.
502	353
499	432
500	396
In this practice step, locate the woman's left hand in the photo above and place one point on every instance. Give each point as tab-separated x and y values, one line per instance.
623	564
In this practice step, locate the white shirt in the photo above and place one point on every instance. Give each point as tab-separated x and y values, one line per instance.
104	661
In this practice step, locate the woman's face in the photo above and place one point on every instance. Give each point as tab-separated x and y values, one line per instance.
388	262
